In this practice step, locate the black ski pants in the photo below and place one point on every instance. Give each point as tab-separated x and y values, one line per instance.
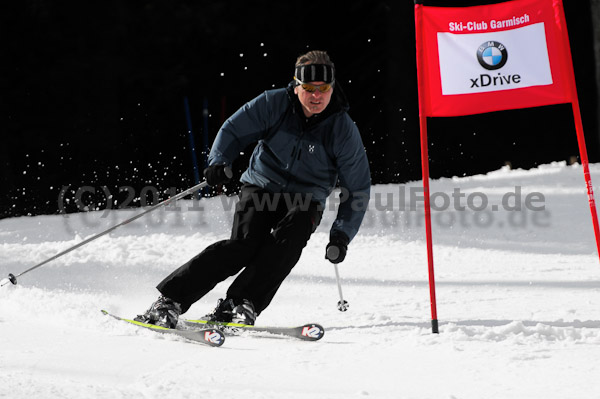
269	233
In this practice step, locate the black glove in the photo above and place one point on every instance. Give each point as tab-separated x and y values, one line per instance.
337	247
216	175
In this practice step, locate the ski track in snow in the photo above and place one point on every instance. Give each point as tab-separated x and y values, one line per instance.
518	300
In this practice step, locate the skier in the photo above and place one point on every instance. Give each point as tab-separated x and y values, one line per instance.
306	144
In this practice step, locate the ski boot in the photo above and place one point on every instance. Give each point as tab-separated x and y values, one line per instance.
223	312
164	312
244	313
228	312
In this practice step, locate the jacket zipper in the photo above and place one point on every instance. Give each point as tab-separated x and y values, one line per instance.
295	158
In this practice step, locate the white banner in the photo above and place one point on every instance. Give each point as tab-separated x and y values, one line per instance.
494	61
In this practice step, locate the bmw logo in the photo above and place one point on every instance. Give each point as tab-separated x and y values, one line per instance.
492	55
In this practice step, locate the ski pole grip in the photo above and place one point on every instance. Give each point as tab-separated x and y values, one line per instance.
216	175
333	252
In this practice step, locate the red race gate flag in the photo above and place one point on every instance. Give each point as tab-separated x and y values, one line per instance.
489	58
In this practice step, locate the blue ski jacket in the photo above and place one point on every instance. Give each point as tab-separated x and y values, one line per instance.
300	155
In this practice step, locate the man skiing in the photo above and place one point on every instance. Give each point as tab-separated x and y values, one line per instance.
306	144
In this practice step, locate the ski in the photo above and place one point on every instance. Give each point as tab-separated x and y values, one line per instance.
206	336
307	332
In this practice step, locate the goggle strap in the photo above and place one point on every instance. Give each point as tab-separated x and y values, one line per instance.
315	73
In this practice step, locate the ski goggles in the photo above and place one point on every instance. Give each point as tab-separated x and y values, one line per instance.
324	88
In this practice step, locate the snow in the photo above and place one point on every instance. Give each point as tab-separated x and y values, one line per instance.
518	296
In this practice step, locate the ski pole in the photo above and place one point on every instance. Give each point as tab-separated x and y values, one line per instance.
13	278
342	304
333	252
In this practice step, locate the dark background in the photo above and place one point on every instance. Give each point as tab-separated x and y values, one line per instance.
93	93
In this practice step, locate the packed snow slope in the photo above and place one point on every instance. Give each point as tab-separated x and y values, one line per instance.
517	283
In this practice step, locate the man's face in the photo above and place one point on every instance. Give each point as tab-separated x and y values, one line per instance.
313	102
